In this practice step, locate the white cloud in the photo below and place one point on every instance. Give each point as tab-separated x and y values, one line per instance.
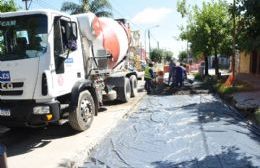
151	15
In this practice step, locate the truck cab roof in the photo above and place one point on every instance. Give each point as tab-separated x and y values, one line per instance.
30	12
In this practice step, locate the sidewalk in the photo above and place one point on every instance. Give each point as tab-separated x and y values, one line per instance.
248	100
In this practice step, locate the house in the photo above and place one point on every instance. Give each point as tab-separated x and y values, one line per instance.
136	52
248	68
249	63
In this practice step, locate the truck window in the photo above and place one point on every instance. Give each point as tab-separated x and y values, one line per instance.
60	43
58	48
64	41
23	37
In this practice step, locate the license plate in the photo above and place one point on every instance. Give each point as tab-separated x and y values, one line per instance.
5	112
5	76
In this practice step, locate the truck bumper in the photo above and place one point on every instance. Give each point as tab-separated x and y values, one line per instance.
22	113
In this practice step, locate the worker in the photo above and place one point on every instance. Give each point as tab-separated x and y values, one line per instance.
179	76
148	77
172	73
184	73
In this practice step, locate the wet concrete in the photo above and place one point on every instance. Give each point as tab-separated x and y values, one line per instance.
180	131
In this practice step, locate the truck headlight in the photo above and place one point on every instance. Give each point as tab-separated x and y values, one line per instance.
38	110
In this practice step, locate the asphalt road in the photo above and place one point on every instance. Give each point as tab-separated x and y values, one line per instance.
180	131
60	146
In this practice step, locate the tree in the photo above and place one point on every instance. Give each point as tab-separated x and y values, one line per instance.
183	56
167	55
156	55
248	24
7	6
99	7
209	31
182	8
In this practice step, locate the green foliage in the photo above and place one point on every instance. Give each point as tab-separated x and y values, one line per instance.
209	29
198	77
226	90
181	7
239	86
248	17
167	55
7	6
99	7
158	55
257	115
183	56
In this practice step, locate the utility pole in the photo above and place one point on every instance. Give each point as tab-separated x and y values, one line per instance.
145	43
149	43
149	37
158	45
26	4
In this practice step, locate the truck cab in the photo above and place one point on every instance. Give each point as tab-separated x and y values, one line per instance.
40	61
51	70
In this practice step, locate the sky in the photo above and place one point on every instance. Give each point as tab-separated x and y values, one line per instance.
159	16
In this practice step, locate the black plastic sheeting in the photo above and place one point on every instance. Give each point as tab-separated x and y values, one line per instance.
180	131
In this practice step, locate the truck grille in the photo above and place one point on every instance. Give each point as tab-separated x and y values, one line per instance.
11	89
11	93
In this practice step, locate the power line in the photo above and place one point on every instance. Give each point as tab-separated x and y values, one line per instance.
128	18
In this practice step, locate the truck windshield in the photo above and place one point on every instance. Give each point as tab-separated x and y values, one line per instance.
23	37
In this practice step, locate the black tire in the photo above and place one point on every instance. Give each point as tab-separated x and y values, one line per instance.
82	117
124	93
133	82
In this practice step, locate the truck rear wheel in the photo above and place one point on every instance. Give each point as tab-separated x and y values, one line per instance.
82	117
124	93
133	82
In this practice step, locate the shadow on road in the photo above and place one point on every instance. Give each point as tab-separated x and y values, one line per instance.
229	158
24	140
179	131
216	111
209	110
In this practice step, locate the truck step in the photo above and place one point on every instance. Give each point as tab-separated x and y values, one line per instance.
62	121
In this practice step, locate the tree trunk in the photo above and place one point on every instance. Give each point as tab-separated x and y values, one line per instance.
206	65
216	63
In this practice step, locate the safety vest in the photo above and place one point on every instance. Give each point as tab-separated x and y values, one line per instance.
147	73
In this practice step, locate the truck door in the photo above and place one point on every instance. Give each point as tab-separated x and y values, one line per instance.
67	55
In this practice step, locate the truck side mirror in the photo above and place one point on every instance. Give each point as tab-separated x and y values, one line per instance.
71	33
71	36
74	30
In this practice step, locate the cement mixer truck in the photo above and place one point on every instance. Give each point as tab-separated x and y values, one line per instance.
56	67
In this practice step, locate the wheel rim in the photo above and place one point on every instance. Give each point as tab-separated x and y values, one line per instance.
128	90
86	110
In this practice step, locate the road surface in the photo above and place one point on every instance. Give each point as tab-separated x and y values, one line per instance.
60	146
186	131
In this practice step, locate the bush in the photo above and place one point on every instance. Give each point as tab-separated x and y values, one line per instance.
198	77
239	86
222	89
257	115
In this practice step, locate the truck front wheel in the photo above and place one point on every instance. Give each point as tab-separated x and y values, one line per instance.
82	117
